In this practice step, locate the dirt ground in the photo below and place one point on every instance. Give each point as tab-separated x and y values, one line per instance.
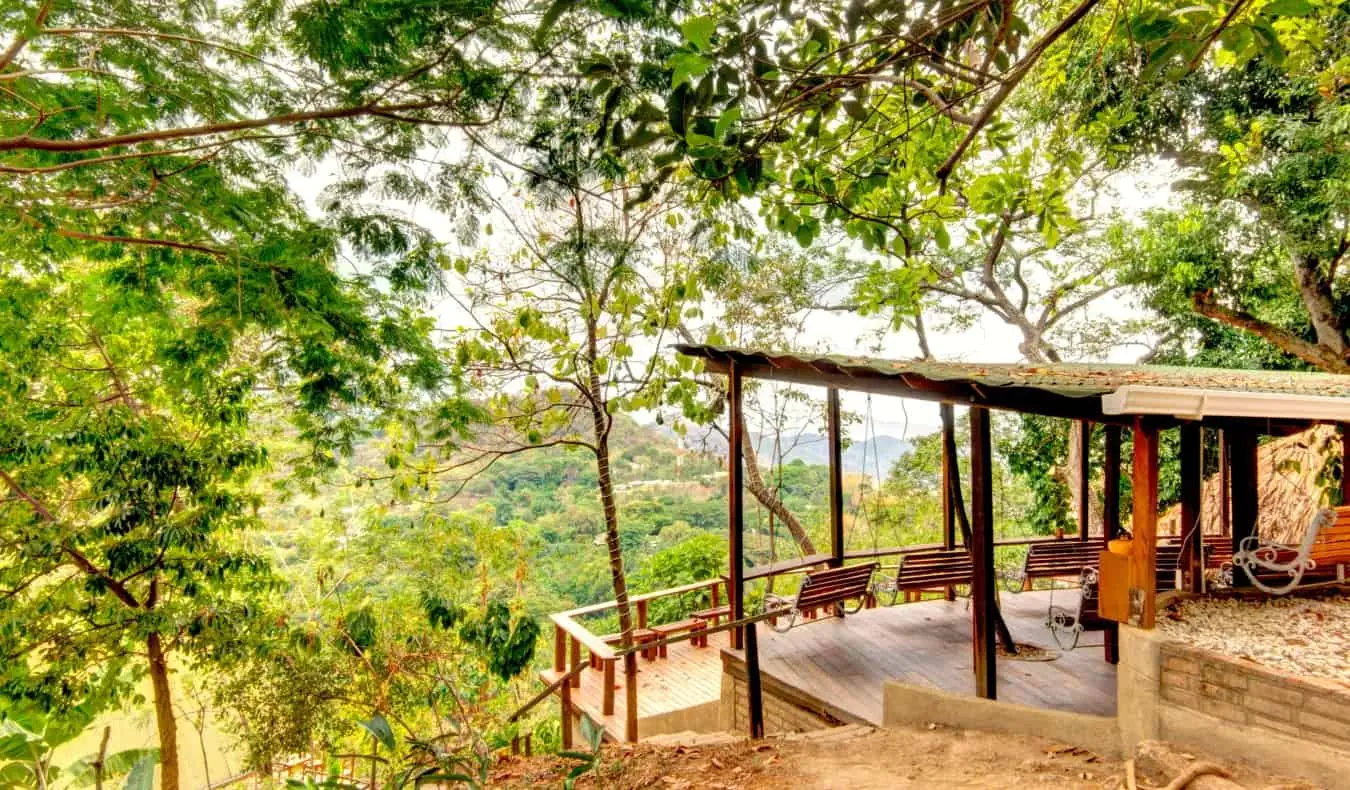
932	757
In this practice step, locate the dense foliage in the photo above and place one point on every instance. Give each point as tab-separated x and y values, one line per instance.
326	326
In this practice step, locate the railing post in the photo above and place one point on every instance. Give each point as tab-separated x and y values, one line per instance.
565	698
607	700
559	649
642	614
576	659
630	724
752	682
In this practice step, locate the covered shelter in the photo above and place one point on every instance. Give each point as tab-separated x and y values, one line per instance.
1242	405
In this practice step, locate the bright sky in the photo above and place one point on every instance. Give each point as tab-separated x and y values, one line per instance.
987	339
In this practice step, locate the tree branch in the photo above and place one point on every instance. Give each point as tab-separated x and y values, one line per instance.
20	40
1009	83
25	142
1286	341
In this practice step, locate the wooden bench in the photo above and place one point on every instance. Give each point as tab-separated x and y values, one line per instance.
932	569
1218	550
1060	559
1322	556
830	588
715	614
697	627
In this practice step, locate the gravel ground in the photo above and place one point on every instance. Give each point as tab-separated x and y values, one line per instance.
1302	636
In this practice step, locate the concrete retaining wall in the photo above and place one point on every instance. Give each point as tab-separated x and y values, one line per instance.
1232	709
906	704
785	709
1244	693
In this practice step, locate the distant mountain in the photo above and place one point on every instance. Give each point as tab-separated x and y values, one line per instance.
877	453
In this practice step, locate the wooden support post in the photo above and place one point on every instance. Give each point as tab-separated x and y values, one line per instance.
559	649
565	700
1225	488
576	659
951	474
607	697
642	614
948	415
1084	429
1345	463
835	445
736	514
630	697
967	541
1242	484
752	682
1143	592
984	610
1192	562
1111	483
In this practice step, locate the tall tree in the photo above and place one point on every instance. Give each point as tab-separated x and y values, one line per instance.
130	379
553	325
1262	144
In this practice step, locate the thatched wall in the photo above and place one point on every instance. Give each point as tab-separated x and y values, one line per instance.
1287	479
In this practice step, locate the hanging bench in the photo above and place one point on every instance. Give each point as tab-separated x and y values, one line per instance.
1060	559
833	588
932	569
1322	556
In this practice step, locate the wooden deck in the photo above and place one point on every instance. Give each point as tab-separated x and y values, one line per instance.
689	677
844	663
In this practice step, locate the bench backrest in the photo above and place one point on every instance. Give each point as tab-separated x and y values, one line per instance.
835	585
934	568
1332	546
1061	558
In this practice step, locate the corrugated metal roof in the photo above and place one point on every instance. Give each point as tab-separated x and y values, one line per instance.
1065	379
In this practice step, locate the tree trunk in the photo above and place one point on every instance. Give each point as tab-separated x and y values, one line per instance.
164	720
1070	477
600	425
1315	290
754	483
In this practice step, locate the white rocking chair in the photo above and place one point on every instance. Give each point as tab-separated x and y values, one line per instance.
1253	555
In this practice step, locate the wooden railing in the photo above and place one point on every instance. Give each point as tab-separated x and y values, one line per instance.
570	636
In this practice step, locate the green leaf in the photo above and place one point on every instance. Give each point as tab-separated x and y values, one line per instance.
1288	8
699	31
551	16
142	776
378	726
940	235
685	66
729	117
81	772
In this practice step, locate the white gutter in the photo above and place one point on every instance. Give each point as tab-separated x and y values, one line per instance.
1189	403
